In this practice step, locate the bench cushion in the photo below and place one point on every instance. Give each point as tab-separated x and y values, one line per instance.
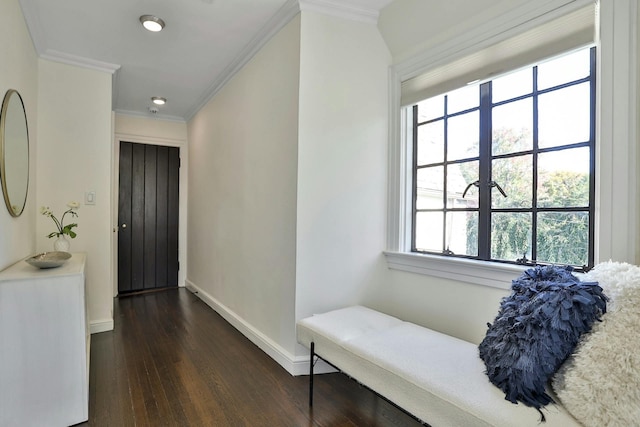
438	378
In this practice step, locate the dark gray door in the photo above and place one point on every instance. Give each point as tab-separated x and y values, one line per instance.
148	217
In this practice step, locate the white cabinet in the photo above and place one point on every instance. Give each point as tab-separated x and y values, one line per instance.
44	345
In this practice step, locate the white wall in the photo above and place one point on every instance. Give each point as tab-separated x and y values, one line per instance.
151	128
157	132
341	163
19	70
455	308
74	156
242	195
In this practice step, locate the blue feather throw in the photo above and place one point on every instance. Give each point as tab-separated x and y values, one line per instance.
536	329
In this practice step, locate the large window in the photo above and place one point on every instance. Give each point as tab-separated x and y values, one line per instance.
504	170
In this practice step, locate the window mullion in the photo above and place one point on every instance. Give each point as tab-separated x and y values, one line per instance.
414	177
536	150
484	191
592	159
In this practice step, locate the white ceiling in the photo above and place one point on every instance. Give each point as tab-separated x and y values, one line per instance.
203	44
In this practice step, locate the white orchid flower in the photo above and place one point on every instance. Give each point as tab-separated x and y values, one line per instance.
61	228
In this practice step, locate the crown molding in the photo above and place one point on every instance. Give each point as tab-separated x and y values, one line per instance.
284	15
79	61
32	20
341	9
33	25
347	9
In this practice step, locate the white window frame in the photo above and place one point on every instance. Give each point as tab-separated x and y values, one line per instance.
616	230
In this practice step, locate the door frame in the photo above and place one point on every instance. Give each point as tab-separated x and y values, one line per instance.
182	197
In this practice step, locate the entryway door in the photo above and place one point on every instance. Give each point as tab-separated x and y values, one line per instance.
148	217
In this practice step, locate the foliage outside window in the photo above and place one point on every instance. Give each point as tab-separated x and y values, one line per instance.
504	170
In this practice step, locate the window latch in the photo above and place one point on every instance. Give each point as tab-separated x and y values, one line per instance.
474	183
477	184
496	185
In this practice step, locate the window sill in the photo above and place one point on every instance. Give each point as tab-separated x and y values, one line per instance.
492	274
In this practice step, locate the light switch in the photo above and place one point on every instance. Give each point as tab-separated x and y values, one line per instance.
90	198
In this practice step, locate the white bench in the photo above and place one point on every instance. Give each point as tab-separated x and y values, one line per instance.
437	378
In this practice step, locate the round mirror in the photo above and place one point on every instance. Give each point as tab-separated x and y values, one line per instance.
14	152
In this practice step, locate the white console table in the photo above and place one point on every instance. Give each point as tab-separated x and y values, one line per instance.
44	345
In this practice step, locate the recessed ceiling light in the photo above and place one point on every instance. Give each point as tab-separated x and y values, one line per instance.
158	100
152	23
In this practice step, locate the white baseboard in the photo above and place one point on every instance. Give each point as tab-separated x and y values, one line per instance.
97	326
294	365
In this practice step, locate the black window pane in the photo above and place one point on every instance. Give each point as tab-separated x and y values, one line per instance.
429	231
463	136
563	178
512	85
462	233
510	235
462	99
430	188
431	143
459	176
431	108
514	175
564	116
564	69
512	127
563	237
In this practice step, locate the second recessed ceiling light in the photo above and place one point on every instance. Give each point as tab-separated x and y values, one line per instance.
152	23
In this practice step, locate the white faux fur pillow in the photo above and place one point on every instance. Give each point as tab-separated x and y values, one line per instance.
600	383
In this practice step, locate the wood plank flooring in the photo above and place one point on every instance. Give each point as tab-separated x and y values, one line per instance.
173	361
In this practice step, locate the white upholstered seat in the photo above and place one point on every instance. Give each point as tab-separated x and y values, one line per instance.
437	378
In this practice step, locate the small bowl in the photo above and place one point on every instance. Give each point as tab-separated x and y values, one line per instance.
49	259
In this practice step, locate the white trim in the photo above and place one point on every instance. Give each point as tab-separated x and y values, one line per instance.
79	61
97	326
275	24
153	140
617	154
340	10
491	274
399	171
273	349
294	365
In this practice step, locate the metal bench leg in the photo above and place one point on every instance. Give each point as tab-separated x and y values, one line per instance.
311	356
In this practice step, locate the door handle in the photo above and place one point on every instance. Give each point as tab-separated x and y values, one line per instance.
124	225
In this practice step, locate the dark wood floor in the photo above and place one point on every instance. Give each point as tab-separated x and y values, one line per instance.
173	361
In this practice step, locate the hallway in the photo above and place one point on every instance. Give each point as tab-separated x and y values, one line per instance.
173	361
